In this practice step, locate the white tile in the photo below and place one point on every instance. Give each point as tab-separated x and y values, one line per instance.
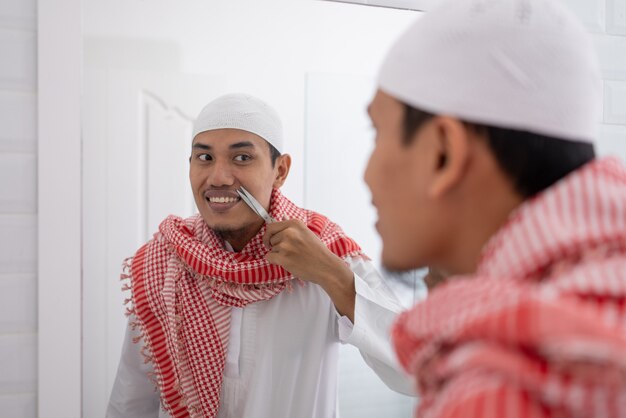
612	141
18	9
18	14
18	362
18	246
18	304
19	54
18	118
615	102
23	405
600	104
590	12
18	183
616	17
611	52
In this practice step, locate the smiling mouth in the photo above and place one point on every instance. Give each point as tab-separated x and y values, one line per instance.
223	199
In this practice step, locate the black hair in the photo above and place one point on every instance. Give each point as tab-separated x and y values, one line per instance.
532	161
274	153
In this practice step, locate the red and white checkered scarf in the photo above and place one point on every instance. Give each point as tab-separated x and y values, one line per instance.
183	285
540	329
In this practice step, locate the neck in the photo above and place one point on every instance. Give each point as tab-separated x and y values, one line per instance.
240	237
482	216
465	256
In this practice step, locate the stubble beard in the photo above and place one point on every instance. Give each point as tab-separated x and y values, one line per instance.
238	237
229	234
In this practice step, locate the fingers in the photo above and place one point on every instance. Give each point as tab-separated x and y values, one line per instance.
275	239
273	229
278	255
272	233
273	258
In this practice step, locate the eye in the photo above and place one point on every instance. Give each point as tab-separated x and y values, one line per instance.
242	157
204	157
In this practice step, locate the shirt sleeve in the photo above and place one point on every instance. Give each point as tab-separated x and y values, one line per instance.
133	394
376	308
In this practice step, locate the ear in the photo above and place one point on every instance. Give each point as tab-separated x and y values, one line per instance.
281	170
452	155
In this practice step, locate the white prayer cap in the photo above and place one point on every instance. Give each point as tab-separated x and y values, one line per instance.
518	64
241	111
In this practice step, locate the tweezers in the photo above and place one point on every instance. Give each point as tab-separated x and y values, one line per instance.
254	205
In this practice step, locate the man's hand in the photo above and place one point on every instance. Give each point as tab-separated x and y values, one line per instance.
299	251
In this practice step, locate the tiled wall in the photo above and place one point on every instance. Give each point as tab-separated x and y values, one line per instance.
606	20
18	208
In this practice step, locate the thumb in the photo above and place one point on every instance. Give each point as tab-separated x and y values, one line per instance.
272	258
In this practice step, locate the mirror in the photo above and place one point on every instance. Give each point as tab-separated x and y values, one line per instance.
149	67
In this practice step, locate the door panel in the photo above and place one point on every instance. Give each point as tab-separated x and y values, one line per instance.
137	139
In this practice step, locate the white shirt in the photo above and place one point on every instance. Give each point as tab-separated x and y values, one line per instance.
282	354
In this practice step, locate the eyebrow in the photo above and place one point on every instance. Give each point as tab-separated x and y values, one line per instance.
200	146
236	145
242	144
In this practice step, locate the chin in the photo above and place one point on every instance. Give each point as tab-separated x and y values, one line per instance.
230	226
398	264
216	224
223	226
214	219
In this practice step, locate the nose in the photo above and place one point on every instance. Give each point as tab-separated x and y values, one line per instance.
221	175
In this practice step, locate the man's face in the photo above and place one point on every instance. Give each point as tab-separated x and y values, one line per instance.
397	175
221	161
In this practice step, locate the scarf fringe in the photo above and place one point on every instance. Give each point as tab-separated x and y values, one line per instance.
138	327
222	286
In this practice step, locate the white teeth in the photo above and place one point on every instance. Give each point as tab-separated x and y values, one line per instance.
223	199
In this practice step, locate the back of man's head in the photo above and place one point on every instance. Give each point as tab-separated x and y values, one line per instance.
522	73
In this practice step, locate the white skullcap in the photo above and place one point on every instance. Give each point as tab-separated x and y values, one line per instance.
518	64
241	111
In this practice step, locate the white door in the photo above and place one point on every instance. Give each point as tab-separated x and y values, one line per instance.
136	130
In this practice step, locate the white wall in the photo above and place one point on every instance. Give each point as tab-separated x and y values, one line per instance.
18	208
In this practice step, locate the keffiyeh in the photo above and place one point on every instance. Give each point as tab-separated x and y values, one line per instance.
539	330
183	285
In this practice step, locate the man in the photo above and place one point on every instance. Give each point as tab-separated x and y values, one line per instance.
225	330
484	169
